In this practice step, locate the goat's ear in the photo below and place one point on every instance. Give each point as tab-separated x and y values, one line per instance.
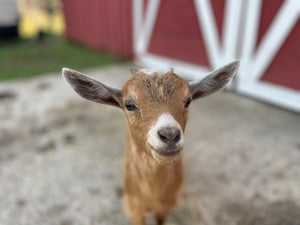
91	89
133	70
215	81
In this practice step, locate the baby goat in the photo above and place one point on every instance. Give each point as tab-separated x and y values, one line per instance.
156	107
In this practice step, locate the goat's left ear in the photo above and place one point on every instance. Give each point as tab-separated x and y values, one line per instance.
215	81
91	89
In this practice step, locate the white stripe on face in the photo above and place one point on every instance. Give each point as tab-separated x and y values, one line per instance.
133	94
165	120
149	72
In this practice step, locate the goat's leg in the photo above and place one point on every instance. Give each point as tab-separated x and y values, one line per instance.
160	220
161	216
136	217
135	210
138	220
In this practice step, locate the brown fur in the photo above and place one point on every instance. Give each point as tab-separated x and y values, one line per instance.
152	179
152	185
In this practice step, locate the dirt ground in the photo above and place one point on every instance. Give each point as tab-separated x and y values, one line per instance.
61	158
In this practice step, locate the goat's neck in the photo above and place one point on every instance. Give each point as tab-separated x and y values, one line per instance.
145	176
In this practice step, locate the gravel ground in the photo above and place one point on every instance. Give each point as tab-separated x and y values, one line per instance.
61	158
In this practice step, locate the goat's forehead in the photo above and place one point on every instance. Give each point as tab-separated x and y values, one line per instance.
149	72
155	85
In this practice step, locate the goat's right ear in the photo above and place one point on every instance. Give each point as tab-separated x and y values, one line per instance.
214	81
91	89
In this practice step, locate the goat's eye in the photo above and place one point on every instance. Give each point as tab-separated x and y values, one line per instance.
130	106
187	103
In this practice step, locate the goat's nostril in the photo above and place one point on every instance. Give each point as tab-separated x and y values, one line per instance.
169	135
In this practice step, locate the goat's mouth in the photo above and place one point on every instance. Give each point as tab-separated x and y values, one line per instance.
168	151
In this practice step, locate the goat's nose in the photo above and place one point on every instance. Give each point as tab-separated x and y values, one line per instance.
169	135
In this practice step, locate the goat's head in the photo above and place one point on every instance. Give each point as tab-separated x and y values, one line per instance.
156	106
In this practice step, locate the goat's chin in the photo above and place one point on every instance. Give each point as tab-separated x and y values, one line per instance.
167	160
161	157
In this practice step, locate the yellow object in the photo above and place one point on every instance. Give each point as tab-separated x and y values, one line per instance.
33	21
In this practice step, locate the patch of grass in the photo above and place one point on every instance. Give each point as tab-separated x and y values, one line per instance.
27	58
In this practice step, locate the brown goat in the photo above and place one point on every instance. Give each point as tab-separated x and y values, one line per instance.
156	107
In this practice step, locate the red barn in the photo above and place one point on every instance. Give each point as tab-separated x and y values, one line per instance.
196	36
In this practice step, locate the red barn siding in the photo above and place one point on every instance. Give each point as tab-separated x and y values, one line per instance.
284	69
107	25
268	13
100	24
177	33
218	7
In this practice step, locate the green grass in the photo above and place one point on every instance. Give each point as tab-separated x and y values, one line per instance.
27	58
